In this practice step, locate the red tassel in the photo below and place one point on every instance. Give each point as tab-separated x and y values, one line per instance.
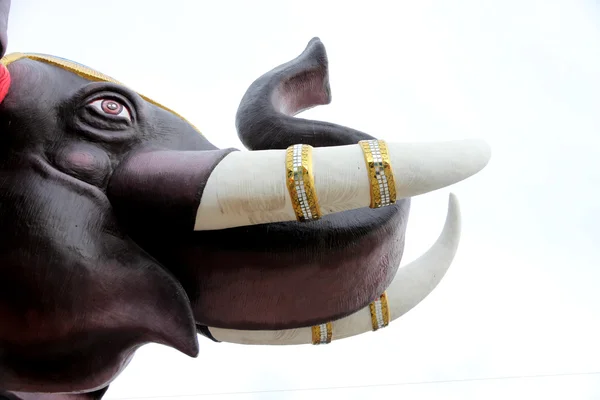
4	82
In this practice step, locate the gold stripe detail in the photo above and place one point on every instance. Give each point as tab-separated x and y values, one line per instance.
381	176
82	71
301	182
321	334
380	312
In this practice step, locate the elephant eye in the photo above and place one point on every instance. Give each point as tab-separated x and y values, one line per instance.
111	107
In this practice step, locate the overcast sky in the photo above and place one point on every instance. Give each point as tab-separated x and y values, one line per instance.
523	294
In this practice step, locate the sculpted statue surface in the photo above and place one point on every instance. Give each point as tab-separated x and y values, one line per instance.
122	225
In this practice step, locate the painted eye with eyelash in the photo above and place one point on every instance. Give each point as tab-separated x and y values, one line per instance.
111	107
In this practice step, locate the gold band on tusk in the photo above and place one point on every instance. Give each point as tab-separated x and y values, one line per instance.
381	176
321	334
301	182
380	312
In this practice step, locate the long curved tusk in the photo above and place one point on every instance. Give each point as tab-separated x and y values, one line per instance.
412	284
251	187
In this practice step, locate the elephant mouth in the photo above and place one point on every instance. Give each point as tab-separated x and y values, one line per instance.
301	275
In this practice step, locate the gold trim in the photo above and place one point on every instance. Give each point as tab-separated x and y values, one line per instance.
381	175
385	309
82	71
385	312
316	334
301	182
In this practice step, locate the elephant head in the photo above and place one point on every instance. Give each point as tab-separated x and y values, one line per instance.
123	225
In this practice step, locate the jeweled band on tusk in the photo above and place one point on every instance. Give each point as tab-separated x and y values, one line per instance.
380	318
381	176
380	312
301	182
321	334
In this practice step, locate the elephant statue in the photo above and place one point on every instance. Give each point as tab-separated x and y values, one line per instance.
122	225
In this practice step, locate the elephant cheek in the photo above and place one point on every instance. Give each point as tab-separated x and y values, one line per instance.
78	296
84	162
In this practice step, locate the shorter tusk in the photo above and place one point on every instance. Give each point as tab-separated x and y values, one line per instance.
254	187
412	284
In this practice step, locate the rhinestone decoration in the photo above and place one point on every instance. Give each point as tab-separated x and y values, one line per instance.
381	176
380	312
301	182
321	334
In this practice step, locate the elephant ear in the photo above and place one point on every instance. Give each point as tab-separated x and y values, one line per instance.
4	11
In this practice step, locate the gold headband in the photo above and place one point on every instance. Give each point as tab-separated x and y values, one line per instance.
82	71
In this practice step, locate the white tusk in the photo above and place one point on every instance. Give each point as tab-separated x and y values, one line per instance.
249	188
411	285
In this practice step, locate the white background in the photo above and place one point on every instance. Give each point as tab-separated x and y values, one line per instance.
522	297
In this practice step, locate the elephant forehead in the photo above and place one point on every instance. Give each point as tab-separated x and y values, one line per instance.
60	76
36	85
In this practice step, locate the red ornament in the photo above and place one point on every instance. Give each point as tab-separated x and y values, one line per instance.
4	82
